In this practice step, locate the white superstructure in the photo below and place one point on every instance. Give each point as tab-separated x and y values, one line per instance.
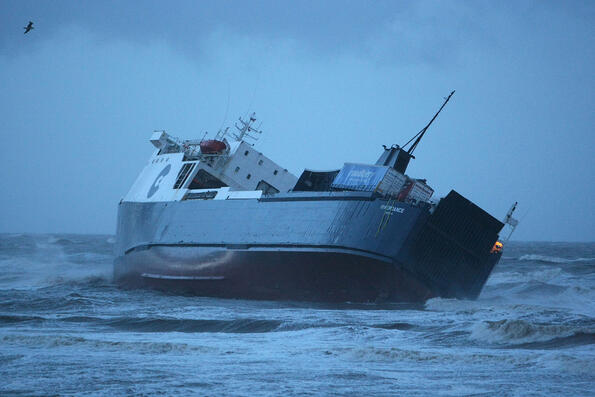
211	169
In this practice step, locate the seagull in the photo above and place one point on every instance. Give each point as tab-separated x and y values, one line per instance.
29	27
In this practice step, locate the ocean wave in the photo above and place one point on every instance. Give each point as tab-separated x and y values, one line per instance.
244	325
453	305
150	324
26	301
43	247
392	354
539	290
552	288
553	259
91	280
400	355
58	341
574	340
543	275
46	269
15	319
397	326
79	279
569	363
60	241
521	333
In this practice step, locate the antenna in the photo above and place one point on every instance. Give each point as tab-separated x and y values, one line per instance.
246	128
421	133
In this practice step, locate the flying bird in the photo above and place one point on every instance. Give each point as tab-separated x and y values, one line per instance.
29	27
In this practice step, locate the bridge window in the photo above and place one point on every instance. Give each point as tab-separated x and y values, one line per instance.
266	188
204	180
183	175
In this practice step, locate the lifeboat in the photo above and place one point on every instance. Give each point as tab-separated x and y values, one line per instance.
212	146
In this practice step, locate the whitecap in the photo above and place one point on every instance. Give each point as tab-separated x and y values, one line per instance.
517	332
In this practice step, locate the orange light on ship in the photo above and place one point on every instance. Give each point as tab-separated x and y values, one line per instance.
497	248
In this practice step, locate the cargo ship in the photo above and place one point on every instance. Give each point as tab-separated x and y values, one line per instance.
216	217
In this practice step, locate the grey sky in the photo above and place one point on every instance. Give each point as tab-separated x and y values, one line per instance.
331	81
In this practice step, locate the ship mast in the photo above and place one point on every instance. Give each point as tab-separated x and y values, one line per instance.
246	128
421	133
396	156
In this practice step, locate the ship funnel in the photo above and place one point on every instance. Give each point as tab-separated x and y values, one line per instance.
395	157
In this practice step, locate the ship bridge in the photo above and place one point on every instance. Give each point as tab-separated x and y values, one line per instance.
219	168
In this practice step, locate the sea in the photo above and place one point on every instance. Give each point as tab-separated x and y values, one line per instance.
67	330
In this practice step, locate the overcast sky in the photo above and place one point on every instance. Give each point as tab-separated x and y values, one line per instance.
332	81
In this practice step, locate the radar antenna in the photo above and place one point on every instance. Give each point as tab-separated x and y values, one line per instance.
421	133
246	128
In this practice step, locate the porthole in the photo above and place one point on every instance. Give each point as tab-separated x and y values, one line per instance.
259	162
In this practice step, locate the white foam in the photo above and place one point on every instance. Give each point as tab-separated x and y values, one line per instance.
518	332
454	305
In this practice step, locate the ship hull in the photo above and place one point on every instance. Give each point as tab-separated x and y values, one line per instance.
306	275
347	246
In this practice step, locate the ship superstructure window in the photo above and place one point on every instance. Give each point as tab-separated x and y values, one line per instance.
246	153
248	176
266	188
237	169
183	175
275	172
259	162
204	180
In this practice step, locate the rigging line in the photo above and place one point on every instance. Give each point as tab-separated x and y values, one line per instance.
423	131
524	216
227	107
414	136
257	80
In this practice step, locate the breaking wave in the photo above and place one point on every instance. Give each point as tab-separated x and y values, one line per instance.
525	334
37	261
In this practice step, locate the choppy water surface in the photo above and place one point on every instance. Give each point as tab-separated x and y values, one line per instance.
65	329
